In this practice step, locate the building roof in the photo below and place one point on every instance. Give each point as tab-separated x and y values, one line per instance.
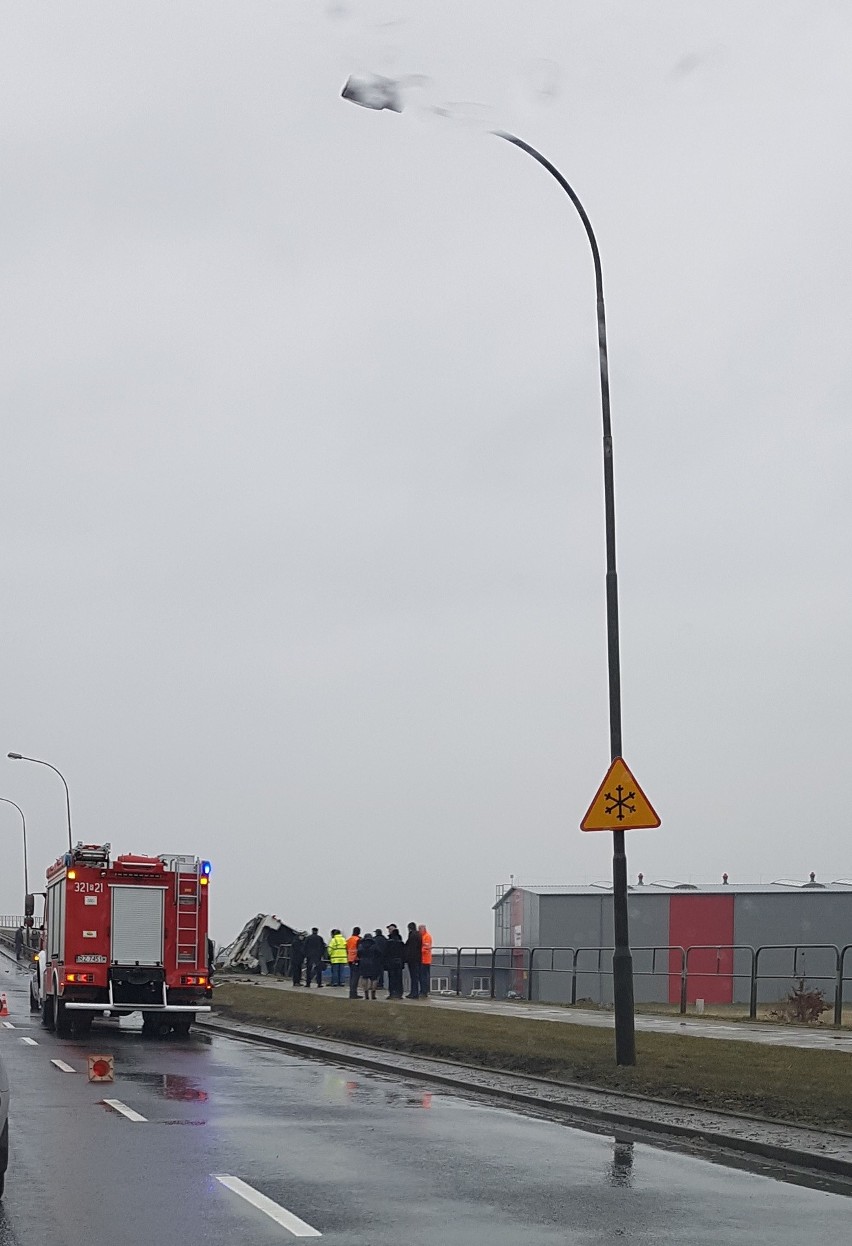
782	886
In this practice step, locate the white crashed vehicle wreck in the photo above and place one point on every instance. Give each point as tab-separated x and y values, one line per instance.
256	948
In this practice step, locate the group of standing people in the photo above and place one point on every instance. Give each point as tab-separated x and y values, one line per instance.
372	961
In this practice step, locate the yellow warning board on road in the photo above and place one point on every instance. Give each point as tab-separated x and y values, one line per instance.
620	804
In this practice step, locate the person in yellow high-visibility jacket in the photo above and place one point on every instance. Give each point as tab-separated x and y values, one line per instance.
337	957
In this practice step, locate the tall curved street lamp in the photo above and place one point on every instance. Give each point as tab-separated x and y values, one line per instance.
383	93
38	761
5	800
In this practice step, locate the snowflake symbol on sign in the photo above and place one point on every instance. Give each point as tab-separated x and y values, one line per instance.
620	802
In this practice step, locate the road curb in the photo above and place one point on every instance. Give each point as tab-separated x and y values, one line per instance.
374	1059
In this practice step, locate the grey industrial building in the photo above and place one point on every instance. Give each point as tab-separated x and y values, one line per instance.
556	940
715	943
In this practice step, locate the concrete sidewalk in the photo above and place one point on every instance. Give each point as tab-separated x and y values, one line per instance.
814	1038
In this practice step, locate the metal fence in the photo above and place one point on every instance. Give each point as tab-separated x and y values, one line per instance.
8	926
671	972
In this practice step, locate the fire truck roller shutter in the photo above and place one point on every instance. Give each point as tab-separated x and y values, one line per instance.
137	925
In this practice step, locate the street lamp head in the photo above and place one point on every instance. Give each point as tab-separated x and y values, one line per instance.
15	756
374	92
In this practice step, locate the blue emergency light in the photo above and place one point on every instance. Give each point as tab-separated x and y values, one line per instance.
205	868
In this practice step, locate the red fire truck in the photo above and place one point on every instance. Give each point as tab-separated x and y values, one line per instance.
121	936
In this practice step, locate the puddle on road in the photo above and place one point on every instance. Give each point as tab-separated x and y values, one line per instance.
343	1090
169	1086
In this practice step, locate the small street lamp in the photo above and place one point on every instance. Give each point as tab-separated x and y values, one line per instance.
5	800
39	762
381	93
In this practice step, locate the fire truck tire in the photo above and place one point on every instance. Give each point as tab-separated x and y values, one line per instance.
61	1019
181	1025
82	1024
155	1025
47	1013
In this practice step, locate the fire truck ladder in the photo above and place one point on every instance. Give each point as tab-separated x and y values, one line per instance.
188	899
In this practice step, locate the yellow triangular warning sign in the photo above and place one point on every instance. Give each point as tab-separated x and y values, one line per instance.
620	804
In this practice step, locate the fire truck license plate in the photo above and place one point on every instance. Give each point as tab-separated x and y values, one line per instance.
91	958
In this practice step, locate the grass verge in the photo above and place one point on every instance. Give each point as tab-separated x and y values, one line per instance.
785	1083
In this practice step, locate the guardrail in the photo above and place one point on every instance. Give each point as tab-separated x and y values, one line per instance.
514	972
838	990
680	967
797	972
726	972
474	961
32	937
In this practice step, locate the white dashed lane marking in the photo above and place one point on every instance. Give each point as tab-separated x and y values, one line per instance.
31	1042
63	1067
7	1025
274	1210
118	1106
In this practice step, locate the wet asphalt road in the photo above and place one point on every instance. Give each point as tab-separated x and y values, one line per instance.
354	1156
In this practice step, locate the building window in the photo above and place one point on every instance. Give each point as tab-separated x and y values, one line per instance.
482	985
502	925
437	985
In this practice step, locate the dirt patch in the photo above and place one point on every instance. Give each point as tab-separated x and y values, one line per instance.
784	1083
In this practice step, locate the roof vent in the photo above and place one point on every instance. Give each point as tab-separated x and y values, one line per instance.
789	882
725	880
641	880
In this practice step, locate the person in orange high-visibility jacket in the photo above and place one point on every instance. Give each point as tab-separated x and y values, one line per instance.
425	962
352	959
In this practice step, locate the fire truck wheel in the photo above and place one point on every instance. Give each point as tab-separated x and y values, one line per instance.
181	1026
82	1024
61	1019
154	1025
47	1013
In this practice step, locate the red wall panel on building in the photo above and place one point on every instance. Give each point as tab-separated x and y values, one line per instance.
519	977
694	921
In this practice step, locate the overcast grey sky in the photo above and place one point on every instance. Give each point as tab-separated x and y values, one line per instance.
301	506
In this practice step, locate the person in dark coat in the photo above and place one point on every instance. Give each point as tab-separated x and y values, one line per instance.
19	943
370	964
297	959
394	960
315	952
413	954
381	948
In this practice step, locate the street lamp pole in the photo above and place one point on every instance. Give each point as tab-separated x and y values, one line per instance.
622	960
5	800
38	761
383	93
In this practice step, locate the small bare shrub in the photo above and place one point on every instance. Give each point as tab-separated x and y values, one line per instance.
803	1004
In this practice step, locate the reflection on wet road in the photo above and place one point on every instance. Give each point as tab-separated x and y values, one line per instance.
228	1142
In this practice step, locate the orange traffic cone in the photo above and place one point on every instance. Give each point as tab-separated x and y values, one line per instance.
4	1007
